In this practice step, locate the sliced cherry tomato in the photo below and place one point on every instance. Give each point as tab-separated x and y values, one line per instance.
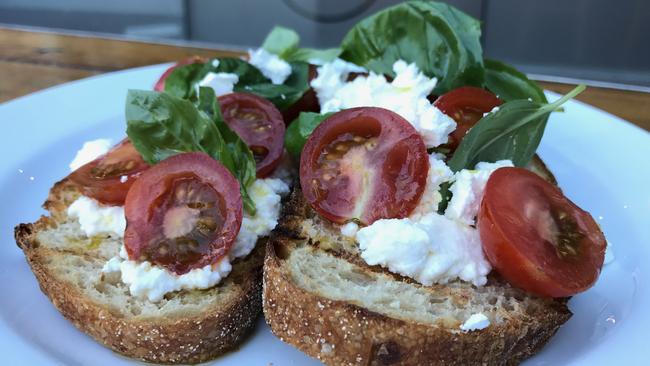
160	84
536	238
259	124
364	163
466	106
109	177
183	213
307	103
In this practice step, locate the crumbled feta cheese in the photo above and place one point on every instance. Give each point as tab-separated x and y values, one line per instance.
95	218
221	82
476	321
432	249
271	66
467	190
406	95
350	229
90	151
153	282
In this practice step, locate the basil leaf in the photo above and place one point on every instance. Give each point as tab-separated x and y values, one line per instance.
161	125
284	95
440	39
281	41
184	80
312	54
513	132
300	129
510	84
243	162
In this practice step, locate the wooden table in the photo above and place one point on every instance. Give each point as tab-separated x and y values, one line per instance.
30	61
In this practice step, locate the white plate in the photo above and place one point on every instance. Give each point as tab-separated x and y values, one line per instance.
601	162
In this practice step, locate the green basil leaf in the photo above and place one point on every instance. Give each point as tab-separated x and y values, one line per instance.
440	39
183	81
312	54
300	129
180	82
243	162
510	84
284	95
281	41
513	132
161	125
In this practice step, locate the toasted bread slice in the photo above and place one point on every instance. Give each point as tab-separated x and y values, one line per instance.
185	327
320	296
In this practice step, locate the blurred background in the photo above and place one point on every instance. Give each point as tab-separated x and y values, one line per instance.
599	40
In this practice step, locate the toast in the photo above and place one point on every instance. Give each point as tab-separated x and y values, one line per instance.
320	296
185	327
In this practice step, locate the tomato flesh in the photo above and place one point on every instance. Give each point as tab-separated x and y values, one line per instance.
109	177
259	124
364	164
183	213
466	106
160	84
536	238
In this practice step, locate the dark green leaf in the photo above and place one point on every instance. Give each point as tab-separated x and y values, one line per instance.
281	41
311	54
161	125
242	157
282	95
441	40
510	84
513	132
184	80
300	129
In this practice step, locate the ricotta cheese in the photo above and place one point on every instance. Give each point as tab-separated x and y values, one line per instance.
221	82
90	151
467	190
405	95
431	249
153	282
476	321
271	66
350	229
439	173
95	218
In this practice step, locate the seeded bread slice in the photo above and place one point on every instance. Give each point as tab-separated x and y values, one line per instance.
185	327
321	297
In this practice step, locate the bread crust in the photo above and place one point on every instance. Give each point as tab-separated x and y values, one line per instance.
188	338
341	333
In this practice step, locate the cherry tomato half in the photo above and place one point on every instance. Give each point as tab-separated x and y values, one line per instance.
160	84
259	124
109	177
183	213
536	238
364	163
466	106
